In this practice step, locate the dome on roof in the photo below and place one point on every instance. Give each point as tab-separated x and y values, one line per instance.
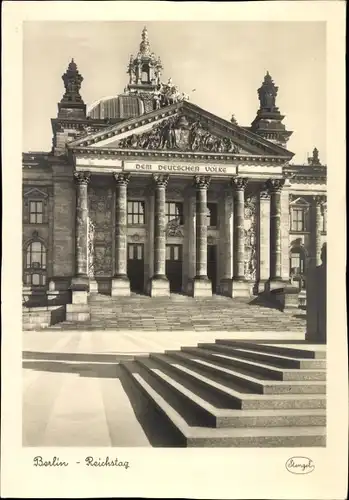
114	107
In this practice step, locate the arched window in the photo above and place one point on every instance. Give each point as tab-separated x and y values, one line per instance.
36	255
35	264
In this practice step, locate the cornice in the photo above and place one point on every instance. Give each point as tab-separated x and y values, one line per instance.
309	179
174	155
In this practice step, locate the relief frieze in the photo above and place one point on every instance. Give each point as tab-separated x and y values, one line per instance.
100	231
250	238
182	134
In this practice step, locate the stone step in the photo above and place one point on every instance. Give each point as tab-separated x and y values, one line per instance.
195	436
258	369
268	358
198	411
284	350
237	396
227	376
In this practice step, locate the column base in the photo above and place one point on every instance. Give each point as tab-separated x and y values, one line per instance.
201	287
120	286
80	289
77	312
286	298
159	286
262	286
240	288
275	283
93	286
226	287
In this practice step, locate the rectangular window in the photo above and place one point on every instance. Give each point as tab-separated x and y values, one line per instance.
36	212
35	279
135	212
212	215
297	264
298	219
135	251
174	212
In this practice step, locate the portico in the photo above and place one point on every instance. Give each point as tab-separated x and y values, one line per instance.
173	215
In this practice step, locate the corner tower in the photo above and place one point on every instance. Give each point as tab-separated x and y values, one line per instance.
72	104
268	122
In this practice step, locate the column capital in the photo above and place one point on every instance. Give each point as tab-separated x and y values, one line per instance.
160	180
82	178
202	181
239	183
121	179
275	185
319	200
264	194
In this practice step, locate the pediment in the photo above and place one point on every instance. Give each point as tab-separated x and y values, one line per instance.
35	193
299	201
182	127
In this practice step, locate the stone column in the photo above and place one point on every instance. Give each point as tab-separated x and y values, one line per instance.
120	282
275	187
317	229
263	235
240	287
79	309
159	283
202	286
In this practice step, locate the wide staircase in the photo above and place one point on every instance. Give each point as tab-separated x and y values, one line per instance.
180	312
234	394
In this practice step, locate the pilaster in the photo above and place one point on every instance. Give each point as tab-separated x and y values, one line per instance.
263	236
190	236
275	187
226	233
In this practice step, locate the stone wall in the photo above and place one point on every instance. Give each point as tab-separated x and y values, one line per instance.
64	223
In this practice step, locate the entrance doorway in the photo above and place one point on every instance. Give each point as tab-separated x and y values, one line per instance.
135	266
212	265
174	258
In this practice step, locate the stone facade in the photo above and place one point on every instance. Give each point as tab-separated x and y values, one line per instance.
173	198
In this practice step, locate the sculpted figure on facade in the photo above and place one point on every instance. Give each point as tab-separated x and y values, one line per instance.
91	236
250	238
180	134
100	215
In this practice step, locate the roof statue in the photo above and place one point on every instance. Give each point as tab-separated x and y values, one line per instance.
314	160
233	120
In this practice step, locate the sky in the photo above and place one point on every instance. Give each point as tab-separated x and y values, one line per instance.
224	61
